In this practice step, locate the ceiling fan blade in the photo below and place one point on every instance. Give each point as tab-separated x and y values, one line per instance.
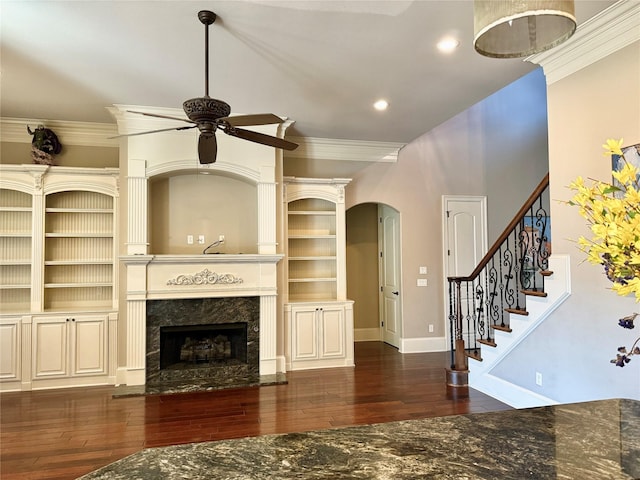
161	116
256	119
261	138
154	131
207	148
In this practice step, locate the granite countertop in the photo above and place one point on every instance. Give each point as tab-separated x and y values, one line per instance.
592	440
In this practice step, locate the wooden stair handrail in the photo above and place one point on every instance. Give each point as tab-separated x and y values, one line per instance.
507	231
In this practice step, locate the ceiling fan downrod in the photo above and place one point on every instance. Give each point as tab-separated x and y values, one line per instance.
207	18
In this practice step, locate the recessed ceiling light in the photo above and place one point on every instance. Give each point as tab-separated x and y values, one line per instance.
381	105
448	44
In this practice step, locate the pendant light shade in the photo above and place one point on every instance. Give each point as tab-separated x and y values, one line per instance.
519	28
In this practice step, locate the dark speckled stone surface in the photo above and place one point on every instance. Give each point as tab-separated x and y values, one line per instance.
593	440
203	311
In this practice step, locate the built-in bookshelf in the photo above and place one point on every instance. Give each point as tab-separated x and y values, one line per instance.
78	250
58	276
312	250
318	315
15	249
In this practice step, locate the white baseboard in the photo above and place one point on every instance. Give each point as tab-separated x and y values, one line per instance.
121	376
423	345
281	364
366	334
508	393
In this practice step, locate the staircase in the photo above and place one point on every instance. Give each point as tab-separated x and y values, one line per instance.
521	325
513	289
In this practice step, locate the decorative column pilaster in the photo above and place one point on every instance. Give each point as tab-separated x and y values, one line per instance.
136	320
137	239
37	246
268	331
266	217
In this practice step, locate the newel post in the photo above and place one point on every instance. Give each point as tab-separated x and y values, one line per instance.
457	377
460	358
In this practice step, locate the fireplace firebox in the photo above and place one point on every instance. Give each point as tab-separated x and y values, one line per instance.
194	346
211	342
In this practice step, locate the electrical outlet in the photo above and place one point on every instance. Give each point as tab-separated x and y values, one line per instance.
538	379
190	239
430	328
221	238
201	239
423	270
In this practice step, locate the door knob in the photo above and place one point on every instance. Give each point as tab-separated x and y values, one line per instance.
396	293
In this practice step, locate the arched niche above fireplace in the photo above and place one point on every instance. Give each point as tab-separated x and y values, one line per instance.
192	203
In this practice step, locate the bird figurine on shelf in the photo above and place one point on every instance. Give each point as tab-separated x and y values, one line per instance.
44	145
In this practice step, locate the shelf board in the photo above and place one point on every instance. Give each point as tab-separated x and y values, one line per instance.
312	280
24	286
312	258
312	212
78	262
303	237
78	210
78	235
15	209
12	263
15	234
78	285
310	298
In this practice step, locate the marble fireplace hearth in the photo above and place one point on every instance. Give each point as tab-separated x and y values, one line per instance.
230	317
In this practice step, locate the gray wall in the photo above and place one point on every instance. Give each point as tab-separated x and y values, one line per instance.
501	140
572	348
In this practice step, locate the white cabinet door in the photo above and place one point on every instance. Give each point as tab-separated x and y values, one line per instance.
88	345
10	349
50	347
331	328
304	334
319	335
69	346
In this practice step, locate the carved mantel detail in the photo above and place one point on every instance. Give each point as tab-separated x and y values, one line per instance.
205	277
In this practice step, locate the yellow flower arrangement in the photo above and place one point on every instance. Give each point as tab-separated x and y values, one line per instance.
613	215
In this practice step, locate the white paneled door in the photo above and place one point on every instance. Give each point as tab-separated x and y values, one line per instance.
465	238
390	274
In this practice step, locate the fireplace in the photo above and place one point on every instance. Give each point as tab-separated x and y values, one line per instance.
198	346
212	341
184	274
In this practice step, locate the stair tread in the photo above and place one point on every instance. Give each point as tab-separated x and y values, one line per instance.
490	343
517	311
501	328
534	293
474	355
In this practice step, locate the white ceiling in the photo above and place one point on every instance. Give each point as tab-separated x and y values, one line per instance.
321	63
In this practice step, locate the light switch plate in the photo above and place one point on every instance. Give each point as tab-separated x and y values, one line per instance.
423	270
422	282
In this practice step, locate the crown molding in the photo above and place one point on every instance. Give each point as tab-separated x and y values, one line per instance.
98	135
611	30
69	133
344	150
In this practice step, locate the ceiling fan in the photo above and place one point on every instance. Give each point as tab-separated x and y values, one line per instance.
210	114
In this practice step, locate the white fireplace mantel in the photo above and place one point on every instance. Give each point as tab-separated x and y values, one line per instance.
151	276
201	276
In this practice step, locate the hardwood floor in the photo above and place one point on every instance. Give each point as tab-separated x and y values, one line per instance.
66	433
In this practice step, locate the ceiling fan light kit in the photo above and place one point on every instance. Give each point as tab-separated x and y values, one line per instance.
210	114
519	28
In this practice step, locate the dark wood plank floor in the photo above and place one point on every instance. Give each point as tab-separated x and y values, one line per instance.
66	433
